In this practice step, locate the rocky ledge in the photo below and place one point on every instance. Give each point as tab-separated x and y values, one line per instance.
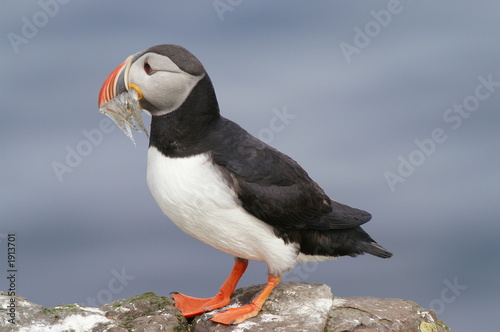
292	306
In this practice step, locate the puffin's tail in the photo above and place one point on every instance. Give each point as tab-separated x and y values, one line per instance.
375	249
343	242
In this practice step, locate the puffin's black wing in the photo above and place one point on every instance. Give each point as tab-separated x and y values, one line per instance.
273	187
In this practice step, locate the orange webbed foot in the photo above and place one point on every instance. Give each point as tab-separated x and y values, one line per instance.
239	314
236	315
191	306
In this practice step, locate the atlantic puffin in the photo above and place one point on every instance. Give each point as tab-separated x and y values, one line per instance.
225	187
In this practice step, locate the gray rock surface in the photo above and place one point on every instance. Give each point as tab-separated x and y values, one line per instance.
292	306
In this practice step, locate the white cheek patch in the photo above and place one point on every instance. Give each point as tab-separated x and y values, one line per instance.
168	91
167	87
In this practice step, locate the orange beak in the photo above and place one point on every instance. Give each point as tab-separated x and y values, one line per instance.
115	83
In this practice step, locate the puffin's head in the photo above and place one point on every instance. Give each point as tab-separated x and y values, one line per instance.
160	78
162	75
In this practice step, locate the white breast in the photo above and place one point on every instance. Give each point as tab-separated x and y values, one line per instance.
193	193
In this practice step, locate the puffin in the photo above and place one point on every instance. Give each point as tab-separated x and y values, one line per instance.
225	187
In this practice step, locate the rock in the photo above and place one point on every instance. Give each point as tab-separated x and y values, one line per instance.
373	314
299	306
146	312
292	306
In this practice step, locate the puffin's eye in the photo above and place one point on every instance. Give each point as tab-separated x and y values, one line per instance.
148	69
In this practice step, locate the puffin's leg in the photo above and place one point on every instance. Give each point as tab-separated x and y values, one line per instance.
191	306
239	314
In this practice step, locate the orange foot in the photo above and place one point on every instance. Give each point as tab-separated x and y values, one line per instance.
239	314
236	315
191	306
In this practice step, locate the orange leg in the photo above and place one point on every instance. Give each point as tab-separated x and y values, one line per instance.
239	314
191	306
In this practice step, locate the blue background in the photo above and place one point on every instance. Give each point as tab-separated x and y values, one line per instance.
92	233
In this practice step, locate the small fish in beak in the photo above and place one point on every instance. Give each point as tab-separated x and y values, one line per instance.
125	111
121	104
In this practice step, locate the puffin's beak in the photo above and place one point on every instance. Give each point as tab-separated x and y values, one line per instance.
116	83
120	100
